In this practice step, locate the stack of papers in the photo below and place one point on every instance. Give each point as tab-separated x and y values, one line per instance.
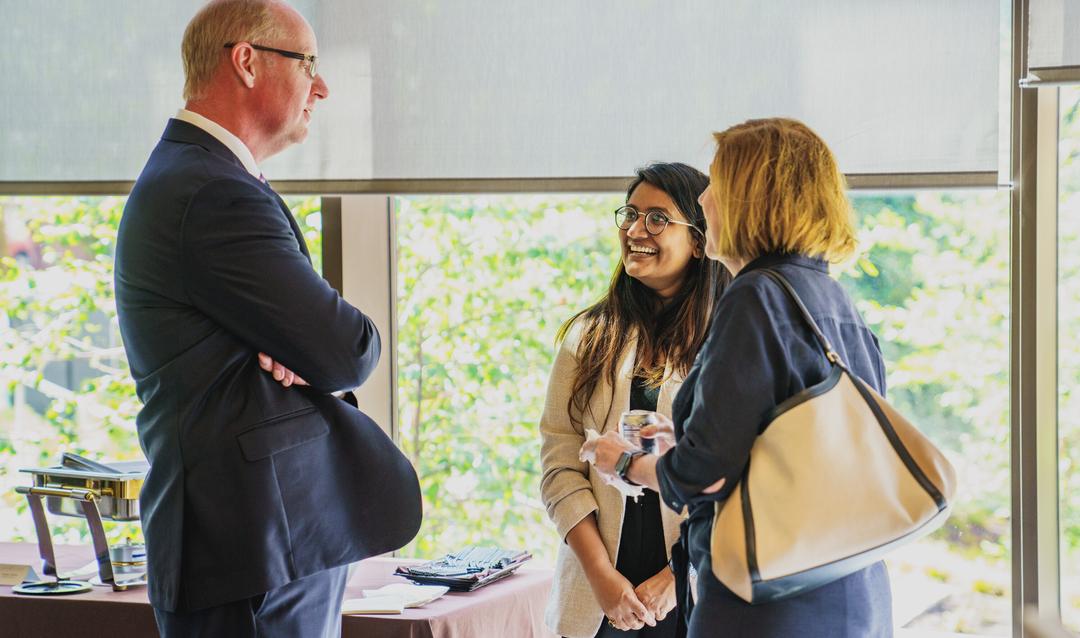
392	599
466	569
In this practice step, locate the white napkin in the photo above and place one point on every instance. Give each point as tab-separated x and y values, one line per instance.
590	457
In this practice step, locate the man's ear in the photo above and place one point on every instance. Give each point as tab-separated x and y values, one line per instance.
242	60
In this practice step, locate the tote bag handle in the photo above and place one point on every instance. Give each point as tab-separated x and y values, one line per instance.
830	354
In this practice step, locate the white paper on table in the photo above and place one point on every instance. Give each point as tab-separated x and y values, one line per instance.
411	595
590	457
373	605
16	574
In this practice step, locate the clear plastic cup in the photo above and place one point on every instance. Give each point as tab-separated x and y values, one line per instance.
630	424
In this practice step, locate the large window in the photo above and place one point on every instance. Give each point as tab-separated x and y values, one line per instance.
932	280
485	282
1068	300
64	381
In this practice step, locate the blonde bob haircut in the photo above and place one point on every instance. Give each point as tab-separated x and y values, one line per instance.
220	22
777	189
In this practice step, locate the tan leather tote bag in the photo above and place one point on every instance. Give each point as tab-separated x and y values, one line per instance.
836	480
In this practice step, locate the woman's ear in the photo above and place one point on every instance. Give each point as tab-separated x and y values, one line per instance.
699	249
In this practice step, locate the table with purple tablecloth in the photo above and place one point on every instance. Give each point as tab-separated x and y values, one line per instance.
511	607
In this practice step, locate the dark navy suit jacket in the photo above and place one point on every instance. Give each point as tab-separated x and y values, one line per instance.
251	485
759	352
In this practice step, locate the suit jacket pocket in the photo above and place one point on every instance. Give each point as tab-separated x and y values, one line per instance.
282	433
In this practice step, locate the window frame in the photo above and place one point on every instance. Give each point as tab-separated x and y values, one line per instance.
359	257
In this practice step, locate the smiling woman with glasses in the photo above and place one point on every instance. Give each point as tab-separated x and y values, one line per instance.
628	351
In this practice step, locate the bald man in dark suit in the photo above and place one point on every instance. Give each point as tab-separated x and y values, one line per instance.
264	484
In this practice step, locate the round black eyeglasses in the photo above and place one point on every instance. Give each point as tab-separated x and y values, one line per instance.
655	220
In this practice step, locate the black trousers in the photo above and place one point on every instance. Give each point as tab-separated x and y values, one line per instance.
308	607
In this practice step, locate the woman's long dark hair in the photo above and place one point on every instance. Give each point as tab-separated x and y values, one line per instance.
667	333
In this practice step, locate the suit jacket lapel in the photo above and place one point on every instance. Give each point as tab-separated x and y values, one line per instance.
292	220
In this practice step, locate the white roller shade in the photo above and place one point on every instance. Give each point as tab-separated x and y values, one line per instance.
421	89
1053	34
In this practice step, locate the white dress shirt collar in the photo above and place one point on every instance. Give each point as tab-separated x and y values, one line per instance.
233	143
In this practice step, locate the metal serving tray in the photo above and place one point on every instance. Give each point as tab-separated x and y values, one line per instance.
115	486
83	488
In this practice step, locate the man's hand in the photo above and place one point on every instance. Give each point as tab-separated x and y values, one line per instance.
281	374
658	593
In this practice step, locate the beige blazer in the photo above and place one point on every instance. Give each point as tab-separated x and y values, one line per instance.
571	492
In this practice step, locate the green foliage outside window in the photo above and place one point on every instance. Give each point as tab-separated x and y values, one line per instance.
484	284
1069	318
1068	300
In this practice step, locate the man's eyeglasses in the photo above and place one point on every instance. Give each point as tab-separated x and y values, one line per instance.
312	60
655	220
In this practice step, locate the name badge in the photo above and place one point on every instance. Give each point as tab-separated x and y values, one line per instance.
14	574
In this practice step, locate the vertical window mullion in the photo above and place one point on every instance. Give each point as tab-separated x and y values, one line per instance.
367	252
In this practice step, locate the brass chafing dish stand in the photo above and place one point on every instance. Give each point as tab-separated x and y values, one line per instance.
86	489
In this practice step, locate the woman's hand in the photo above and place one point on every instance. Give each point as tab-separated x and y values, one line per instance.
620	603
658	593
605	451
663	432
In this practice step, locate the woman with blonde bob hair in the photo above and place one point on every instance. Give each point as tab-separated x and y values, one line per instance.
776	202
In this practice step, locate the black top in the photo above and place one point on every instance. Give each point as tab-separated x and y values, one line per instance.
759	352
641	546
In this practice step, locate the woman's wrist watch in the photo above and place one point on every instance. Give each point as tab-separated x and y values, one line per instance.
622	466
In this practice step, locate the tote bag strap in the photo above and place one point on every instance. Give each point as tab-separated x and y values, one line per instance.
860	385
830	354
